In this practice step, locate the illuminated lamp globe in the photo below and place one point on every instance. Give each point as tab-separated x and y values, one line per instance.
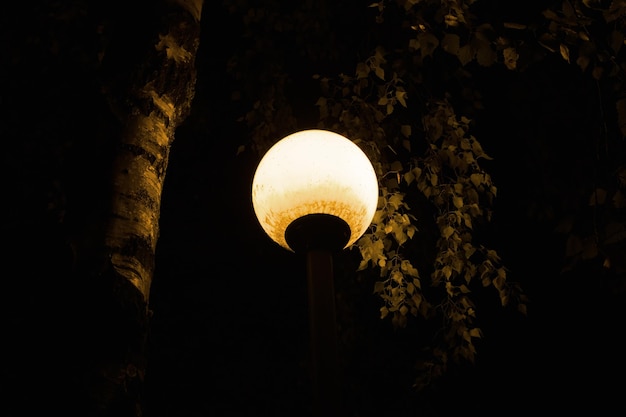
315	189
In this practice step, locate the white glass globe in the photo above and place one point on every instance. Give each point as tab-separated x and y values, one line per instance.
314	172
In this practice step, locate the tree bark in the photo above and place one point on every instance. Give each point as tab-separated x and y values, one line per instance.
149	79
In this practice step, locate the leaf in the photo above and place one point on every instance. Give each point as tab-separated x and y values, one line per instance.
401	96
447	232
513	25
564	52
498	282
465	54
475	332
396	166
380	73
485	55
428	43
362	70
451	43
510	57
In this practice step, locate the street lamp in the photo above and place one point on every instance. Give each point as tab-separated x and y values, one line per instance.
315	192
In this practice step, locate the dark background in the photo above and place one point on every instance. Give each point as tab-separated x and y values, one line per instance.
229	333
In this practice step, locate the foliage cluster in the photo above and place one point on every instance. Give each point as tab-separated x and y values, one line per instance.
400	102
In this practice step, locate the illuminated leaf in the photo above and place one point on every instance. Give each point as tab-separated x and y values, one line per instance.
498	282
564	52
510	57
409	177
475	332
401	96
476	179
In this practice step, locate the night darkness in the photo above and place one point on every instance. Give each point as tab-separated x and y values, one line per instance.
229	332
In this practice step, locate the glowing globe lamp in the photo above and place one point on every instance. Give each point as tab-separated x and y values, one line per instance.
315	189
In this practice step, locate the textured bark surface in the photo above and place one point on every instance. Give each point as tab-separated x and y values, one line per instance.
92	98
151	98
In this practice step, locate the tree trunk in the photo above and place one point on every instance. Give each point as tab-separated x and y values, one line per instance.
149	79
92	95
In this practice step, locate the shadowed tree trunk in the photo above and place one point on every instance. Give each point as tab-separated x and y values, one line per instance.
77	317
151	98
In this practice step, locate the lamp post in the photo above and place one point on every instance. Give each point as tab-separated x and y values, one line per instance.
315	192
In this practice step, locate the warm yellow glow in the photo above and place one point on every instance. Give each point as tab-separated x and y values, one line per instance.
311	172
